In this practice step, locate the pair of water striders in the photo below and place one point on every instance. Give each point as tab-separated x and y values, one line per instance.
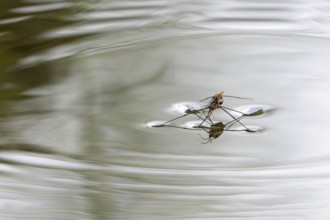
205	115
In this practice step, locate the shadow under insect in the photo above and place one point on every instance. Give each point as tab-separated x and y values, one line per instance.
205	115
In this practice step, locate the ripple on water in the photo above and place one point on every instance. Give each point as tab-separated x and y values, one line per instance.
255	110
184	107
253	129
192	124
153	124
47	161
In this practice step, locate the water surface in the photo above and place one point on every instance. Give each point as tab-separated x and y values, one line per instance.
79	80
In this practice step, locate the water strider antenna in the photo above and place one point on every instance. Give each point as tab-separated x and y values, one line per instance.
237	97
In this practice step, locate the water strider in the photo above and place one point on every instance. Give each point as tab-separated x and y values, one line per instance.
214	130
216	103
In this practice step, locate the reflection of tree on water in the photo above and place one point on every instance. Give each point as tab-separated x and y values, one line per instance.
205	113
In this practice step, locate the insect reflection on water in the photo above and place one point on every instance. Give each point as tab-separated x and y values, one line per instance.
213	130
204	114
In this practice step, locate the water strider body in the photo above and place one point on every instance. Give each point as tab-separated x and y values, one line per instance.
216	103
214	130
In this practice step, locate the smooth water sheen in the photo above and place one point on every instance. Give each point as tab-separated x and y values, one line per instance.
80	80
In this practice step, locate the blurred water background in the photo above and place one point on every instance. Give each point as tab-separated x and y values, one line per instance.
79	79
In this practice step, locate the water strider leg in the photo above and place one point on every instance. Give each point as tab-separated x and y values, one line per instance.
237	97
233	110
175	119
235	119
